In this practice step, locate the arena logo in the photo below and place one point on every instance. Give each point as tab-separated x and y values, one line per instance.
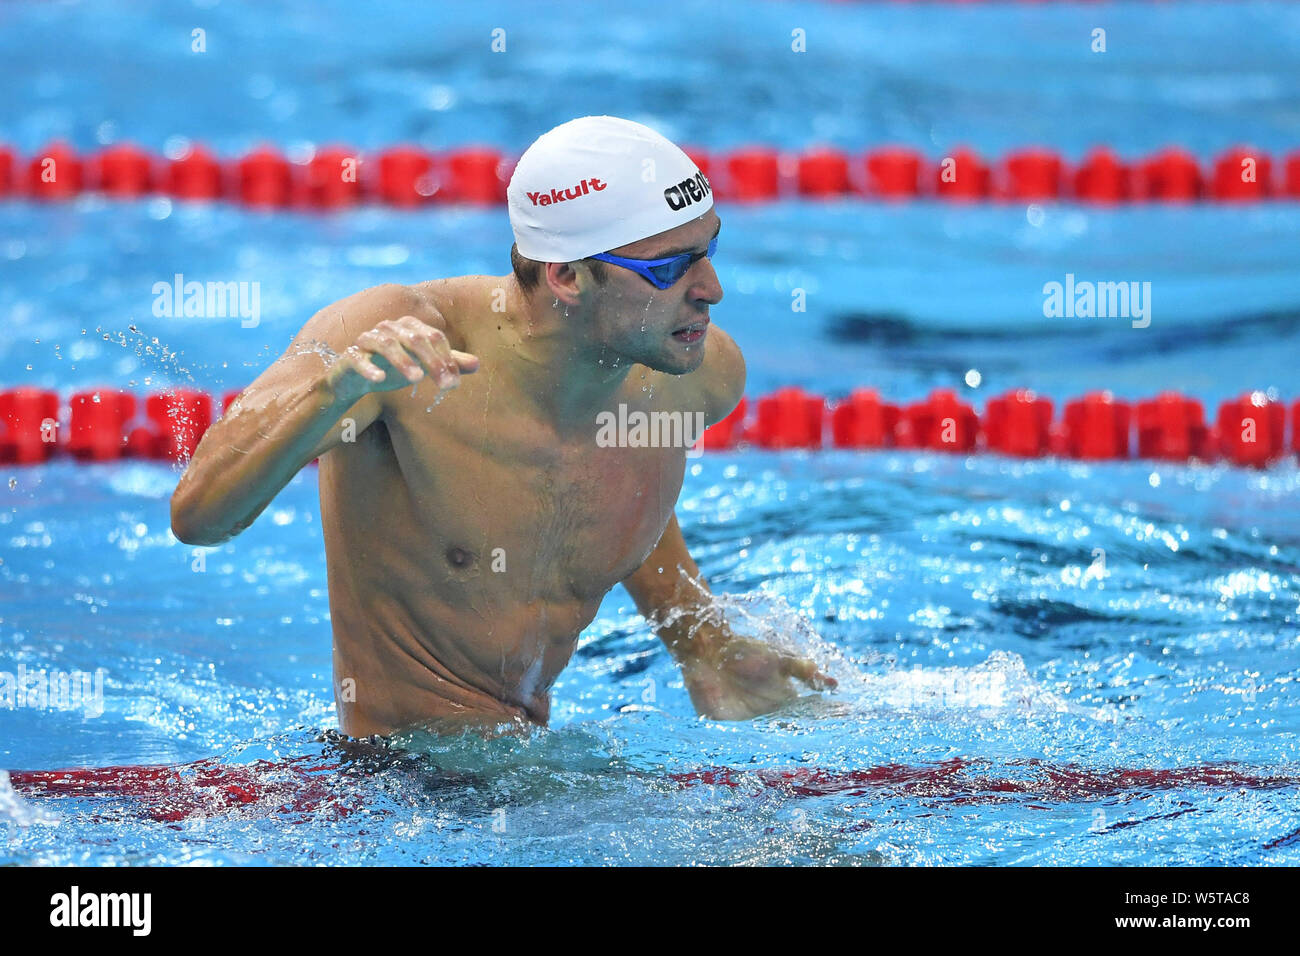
688	191
1103	300
208	300
57	690
74	908
640	429
540	198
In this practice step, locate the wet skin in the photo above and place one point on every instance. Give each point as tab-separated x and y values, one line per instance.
470	542
472	520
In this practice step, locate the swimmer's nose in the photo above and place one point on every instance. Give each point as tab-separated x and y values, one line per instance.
706	287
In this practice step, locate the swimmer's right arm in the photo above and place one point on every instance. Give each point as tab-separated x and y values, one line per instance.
384	338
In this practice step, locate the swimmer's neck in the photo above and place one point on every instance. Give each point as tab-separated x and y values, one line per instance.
568	380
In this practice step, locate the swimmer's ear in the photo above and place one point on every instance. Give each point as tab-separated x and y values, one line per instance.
562	279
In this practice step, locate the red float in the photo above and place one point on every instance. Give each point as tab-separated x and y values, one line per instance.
1291	176
1171	175
196	175
1019	423
1032	174
863	421
1243	175
894	172
729	431
475	176
7	163
942	422
1295	427
823	172
752	174
790	418
1172	427
29	425
962	176
1102	178
180	417
97	424
55	173
332	179
124	171
1097	427
264	178
405	176
1251	430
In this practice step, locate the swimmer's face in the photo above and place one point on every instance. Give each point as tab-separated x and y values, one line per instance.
663	329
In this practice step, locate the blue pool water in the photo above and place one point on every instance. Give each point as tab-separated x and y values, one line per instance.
1061	662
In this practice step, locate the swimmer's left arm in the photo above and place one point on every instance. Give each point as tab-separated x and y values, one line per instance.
669	581
728	677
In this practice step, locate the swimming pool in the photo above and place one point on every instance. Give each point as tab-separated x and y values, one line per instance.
1005	695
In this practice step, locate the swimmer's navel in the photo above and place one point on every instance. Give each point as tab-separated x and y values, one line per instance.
460	558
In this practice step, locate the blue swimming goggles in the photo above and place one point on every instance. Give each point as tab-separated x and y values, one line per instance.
662	273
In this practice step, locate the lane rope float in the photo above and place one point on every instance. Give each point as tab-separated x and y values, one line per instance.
105	424
407	176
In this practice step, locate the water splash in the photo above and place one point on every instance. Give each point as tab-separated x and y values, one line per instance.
152	350
15	811
873	683
315	347
763	617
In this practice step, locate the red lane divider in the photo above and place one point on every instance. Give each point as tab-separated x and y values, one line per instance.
337	176
298	789
1251	430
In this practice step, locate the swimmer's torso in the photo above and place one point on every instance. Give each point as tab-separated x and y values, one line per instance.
469	544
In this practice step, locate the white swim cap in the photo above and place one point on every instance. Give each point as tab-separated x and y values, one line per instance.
599	182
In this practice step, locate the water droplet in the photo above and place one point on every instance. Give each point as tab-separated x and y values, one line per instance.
13	483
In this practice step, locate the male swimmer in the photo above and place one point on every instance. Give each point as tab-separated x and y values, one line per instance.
472	520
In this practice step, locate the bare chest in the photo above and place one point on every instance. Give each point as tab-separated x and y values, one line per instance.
549	520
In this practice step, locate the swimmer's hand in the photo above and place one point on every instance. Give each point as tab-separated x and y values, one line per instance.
397	353
735	678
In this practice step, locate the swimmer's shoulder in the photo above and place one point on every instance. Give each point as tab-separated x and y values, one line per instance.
461	301
717	386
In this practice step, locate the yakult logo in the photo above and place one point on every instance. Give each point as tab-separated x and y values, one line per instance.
560	195
686	192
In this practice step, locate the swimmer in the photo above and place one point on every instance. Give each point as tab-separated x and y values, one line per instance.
474	512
